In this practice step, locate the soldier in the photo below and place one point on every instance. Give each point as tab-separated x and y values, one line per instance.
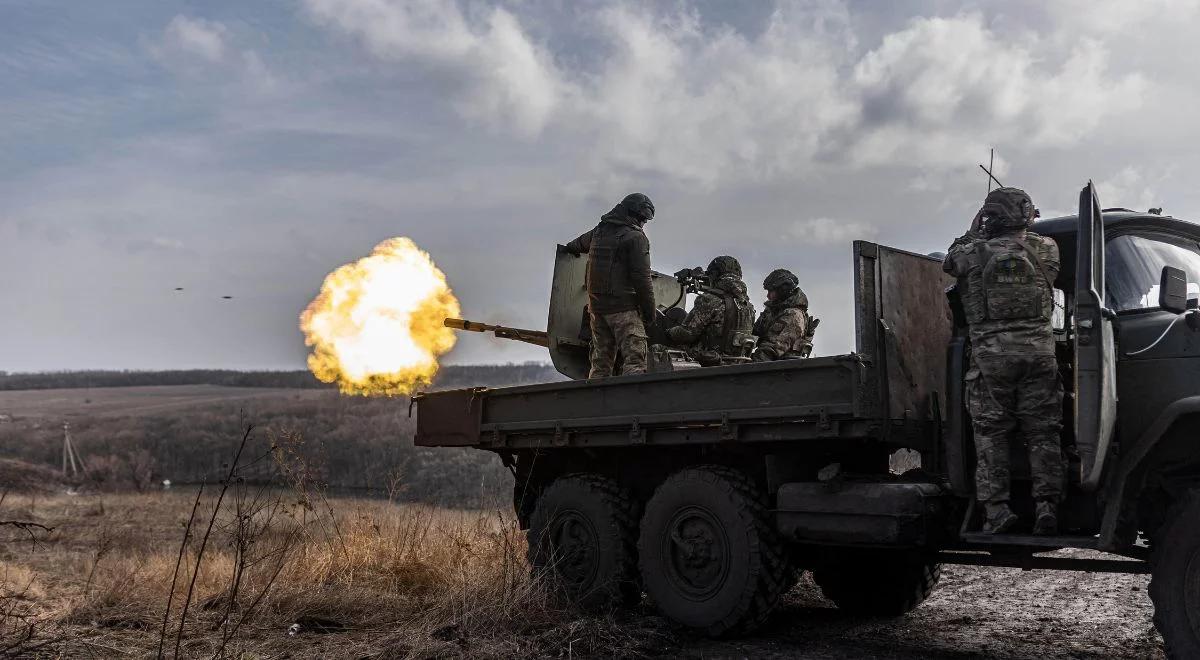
721	319
1006	285
620	296
784	329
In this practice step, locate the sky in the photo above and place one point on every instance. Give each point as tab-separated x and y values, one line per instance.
248	149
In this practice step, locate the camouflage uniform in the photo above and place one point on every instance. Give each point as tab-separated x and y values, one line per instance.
620	293
619	333
720	321
1013	385
783	329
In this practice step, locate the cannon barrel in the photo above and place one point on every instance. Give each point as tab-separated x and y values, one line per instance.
535	337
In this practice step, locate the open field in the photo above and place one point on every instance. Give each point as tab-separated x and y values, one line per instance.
374	579
135	437
60	404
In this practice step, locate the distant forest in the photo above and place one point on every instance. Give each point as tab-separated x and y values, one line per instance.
449	377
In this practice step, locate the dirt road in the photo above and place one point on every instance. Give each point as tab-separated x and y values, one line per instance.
973	613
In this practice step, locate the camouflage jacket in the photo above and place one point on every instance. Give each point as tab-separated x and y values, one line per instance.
703	332
966	260
782	329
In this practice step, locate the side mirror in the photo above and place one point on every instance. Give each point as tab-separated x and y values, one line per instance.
1172	290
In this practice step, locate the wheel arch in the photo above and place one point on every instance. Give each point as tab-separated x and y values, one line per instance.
1167	436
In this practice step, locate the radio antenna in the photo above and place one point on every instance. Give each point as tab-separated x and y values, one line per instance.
988	170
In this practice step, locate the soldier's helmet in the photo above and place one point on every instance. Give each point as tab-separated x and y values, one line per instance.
721	266
782	281
1007	208
638	206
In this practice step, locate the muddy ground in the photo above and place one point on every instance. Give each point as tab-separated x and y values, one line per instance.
973	613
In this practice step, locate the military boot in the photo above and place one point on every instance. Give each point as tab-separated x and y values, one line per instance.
1000	518
1046	523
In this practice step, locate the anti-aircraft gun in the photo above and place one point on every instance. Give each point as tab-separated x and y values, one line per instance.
568	332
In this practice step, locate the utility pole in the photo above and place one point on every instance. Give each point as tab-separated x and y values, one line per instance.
69	455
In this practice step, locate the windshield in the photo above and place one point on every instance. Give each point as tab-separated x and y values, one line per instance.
1134	269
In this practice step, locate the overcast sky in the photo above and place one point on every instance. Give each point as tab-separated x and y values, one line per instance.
247	149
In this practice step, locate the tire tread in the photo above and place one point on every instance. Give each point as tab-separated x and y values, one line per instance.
770	573
625	590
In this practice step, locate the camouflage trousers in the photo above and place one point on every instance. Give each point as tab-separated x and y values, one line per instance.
620	333
1011	397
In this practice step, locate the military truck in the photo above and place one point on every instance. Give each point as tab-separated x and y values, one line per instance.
709	489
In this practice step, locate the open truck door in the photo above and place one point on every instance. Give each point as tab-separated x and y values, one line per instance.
1095	353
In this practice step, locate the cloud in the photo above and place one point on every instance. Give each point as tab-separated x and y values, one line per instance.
665	92
195	36
942	87
827	231
503	77
1129	188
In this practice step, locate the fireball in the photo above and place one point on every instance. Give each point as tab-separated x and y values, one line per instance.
376	326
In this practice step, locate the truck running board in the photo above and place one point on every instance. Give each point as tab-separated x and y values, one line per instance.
1028	562
1031	541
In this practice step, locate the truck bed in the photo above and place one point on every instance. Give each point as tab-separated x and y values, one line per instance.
873	393
788	400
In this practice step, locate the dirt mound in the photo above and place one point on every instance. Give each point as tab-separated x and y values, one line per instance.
20	476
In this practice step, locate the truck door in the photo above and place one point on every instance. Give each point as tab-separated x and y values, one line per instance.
1095	355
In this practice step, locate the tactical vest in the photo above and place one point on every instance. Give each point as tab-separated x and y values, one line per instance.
603	257
1005	283
738	326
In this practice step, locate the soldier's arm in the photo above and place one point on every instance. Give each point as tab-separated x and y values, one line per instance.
768	347
580	245
953	262
786	333
702	314
638	258
1050	256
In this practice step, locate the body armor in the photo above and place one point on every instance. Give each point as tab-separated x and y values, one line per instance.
1005	282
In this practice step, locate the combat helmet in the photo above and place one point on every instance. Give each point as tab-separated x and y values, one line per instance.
638	206
782	281
721	266
1007	208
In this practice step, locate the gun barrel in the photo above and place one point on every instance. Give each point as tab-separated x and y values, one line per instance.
535	337
470	326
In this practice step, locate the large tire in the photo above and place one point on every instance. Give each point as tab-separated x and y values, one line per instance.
1175	579
583	541
878	582
709	554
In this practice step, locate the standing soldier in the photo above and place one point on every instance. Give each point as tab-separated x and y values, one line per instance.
784	328
620	295
722	318
1006	284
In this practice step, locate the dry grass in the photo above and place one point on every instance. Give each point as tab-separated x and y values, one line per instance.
291	575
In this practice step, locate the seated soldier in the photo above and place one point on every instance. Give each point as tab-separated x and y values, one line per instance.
719	324
784	329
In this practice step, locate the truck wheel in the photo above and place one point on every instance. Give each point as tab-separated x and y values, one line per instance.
710	557
1175	579
878	582
582	540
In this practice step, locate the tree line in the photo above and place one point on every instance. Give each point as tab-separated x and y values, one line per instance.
448	377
